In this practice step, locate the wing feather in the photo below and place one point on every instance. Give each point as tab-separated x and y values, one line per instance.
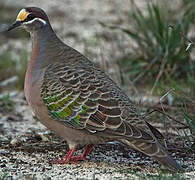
83	97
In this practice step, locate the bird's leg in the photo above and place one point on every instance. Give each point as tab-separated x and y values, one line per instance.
66	159
69	158
86	151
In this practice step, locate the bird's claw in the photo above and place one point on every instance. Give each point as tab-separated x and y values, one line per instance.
71	160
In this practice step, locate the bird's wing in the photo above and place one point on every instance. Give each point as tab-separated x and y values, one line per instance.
83	97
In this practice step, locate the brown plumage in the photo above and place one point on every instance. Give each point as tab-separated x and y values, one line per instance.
77	100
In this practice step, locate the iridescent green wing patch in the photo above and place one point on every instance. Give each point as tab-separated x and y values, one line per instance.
65	96
83	97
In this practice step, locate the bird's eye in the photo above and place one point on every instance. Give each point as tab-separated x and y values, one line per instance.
30	17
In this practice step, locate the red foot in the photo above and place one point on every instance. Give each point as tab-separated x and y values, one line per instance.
69	158
66	159
77	158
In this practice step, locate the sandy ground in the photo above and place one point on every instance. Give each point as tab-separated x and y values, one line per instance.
26	147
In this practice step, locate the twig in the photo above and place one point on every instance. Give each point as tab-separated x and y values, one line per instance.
163	110
165	106
170	117
168	92
185	96
162	66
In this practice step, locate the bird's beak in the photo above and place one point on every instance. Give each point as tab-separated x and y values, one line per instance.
22	15
14	25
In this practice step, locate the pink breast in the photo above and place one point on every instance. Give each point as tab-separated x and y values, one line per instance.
30	88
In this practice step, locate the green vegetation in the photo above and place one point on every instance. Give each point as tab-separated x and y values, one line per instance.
161	46
191	123
6	104
21	69
12	63
9	67
7	64
161	56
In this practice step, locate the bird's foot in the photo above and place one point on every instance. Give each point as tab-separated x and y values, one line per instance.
60	161
77	158
65	160
74	159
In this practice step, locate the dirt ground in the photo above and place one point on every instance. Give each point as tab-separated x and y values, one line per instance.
27	147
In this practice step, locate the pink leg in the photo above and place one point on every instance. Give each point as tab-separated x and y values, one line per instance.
87	150
66	159
69	158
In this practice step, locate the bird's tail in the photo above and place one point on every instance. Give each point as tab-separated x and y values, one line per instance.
156	151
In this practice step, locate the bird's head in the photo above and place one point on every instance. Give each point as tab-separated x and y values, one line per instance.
30	18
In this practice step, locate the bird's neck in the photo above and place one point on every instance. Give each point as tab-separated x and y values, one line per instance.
45	46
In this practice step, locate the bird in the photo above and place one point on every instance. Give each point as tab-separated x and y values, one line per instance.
78	101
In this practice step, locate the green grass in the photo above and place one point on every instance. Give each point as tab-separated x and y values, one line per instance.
189	6
160	39
7	66
21	69
161	52
190	120
6	104
10	67
182	86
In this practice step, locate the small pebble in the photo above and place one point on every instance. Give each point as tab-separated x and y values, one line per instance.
15	142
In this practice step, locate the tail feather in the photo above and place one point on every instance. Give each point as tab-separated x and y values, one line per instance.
156	151
169	162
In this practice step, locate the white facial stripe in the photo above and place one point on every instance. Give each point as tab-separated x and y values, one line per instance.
35	19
